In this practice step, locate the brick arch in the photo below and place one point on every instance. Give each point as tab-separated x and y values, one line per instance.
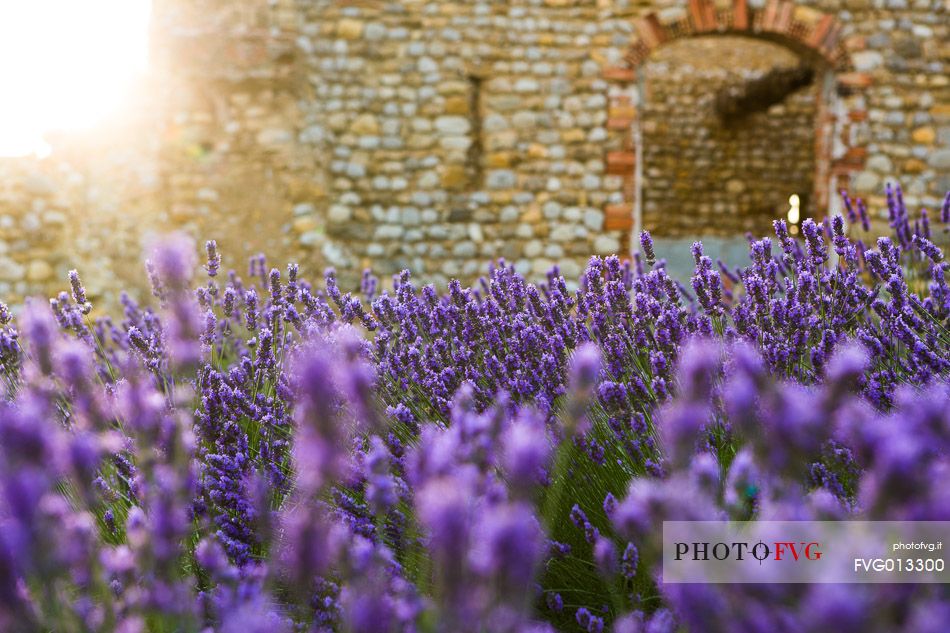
815	36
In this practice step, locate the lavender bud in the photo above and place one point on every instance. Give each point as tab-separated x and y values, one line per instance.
79	292
250	309
646	243
214	259
605	555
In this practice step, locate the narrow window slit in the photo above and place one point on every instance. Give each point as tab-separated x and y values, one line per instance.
474	158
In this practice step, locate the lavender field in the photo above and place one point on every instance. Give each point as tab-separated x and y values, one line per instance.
262	453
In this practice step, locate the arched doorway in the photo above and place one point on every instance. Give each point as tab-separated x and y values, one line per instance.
713	173
812	36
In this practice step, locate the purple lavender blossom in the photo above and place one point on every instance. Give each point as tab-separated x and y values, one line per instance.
498	458
79	292
214	258
646	243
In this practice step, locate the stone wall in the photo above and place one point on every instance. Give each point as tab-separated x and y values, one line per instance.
92	204
33	214
440	135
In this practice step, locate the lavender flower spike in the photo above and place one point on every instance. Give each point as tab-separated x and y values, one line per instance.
646	243
214	258
79	292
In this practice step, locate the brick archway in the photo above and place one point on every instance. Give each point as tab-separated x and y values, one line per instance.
815	36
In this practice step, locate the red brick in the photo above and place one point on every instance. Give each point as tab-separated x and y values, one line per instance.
855	156
657	27
841	169
855	43
783	18
740	15
696	14
854	80
711	23
637	53
702	14
820	32
620	73
650	31
618	217
620	163
769	15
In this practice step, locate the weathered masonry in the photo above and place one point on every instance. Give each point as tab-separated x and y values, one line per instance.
440	135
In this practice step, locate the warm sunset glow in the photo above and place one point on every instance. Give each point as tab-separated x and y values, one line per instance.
65	65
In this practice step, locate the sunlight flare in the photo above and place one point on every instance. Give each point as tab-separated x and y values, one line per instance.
65	65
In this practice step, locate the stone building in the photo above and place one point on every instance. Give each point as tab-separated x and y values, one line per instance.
438	135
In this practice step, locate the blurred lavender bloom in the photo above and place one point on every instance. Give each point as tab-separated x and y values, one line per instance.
527	451
79	292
